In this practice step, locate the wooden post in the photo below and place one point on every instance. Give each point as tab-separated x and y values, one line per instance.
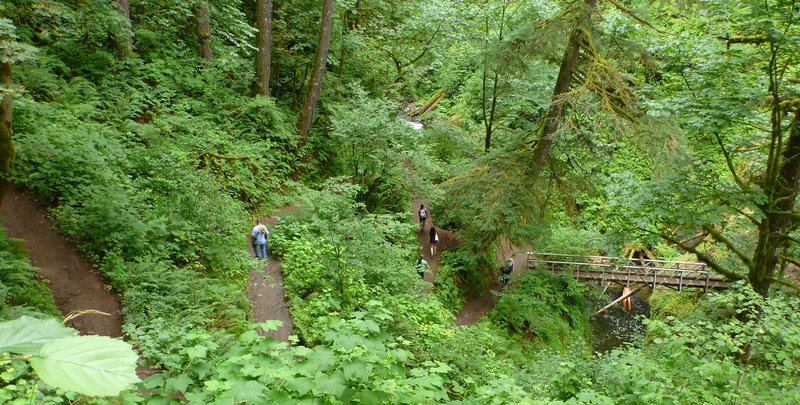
618	300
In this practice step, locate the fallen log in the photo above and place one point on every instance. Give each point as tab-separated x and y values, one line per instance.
435	98
618	300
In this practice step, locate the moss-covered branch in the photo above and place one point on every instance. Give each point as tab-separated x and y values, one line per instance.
719	237
708	260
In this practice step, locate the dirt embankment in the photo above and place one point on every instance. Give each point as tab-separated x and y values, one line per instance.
75	283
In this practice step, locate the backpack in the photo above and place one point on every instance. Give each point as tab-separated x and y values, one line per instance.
262	230
422	213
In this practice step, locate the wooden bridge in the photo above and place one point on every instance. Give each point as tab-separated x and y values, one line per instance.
654	273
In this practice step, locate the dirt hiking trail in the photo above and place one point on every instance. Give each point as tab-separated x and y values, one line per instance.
474	307
267	297
76	285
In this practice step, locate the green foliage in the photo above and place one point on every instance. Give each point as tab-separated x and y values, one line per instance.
337	260
355	361
449	285
21	288
550	309
12	51
90	365
372	145
738	347
664	303
466	269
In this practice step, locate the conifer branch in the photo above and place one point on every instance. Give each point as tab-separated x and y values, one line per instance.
791	260
632	14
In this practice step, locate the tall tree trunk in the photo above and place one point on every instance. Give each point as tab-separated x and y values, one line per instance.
488	119
203	15
264	43
565	71
776	222
6	145
126	42
315	83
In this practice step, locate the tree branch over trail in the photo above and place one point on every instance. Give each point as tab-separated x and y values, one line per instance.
708	260
719	237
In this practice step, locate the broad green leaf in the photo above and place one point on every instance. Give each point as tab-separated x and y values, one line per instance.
330	384
355	369
26	335
302	385
91	365
251	392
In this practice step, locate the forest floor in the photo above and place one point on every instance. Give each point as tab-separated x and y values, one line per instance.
75	283
267	297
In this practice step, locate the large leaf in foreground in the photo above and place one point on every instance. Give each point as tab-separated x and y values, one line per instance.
27	335
91	365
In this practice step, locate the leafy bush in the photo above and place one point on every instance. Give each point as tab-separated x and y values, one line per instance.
739	347
544	307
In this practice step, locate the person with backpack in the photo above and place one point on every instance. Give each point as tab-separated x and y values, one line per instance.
434	239
422	266
258	238
423	215
506	270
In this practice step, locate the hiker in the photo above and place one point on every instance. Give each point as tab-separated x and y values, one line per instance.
258	238
423	215
434	236
422	265
505	271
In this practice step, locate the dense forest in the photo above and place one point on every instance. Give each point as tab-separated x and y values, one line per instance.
156	133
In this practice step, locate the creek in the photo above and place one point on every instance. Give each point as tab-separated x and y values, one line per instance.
616	326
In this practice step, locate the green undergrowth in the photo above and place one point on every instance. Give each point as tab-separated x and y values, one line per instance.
550	310
154	205
463	270
736	347
22	290
664	303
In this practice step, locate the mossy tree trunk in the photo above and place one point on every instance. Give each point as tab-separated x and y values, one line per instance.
781	216
566	70
264	44
315	82
126	42
203	16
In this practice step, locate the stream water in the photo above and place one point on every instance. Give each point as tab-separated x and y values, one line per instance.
616	326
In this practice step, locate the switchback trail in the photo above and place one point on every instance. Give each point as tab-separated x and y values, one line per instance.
76	285
474	307
267	296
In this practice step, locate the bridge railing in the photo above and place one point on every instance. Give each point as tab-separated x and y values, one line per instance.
657	273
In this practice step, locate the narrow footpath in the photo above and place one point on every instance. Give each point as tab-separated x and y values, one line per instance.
474	307
76	285
267	298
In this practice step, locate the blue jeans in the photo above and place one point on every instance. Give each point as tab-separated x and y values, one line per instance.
262	247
